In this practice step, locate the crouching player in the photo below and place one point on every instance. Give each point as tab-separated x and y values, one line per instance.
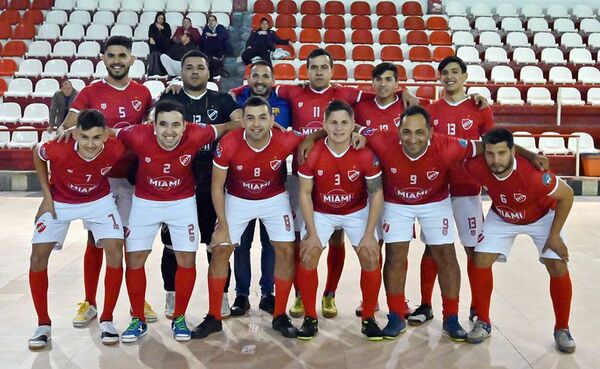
335	183
77	189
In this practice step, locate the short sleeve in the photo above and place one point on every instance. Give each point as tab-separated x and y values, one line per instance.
201	134
547	183
350	95
375	138
292	139
456	150
371	164
223	152
487	121
284	91
237	91
127	136
306	170
227	104
82	101
476	171
46	151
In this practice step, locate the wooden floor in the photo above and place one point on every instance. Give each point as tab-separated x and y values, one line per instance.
521	313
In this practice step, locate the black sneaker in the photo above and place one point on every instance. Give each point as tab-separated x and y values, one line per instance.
283	324
208	326
371	330
267	303
309	328
240	306
422	314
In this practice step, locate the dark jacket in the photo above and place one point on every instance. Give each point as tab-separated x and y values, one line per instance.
58	108
194	34
264	40
215	42
178	50
162	38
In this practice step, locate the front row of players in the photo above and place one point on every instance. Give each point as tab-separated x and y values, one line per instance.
398	178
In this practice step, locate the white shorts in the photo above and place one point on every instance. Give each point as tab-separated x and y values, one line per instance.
101	217
122	191
146	218
498	236
274	212
468	215
293	189
436	221
353	224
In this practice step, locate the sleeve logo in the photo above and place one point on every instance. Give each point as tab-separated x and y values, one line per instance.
462	142
368	131
547	179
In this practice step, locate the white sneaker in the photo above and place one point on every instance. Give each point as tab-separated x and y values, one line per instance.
169	304
40	338
108	333
85	314
225	308
564	341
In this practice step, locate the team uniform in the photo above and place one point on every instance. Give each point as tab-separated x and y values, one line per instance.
370	114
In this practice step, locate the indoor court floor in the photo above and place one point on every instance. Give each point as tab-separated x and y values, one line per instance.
521	313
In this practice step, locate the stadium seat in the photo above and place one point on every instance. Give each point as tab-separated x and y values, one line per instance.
46	87
561	75
509	96
363	53
390	37
386	8
580	56
199	6
593	96
401	72
481	10
557	11
490	39
511	25
544	39
588	75
147	18
155	87
455	8
503	74
586	143
360	22
223	6
468	54
424	72
66	5
570	96
80	17
440	38
58	17
19	4
39	49
335	7
583	11
412	38
564	25
426	92
78	84
284	72
131	18
553	55
10	16
177	18
310	7
525	140
286	21
531	10
442	52
110	5
23	138
459	23
29	68
140	33
312	21
55	68
140	50
74	32
104	17
506	10
537	25
287	33
589	25
335	36
8	67
337	52
483	91
305	50
532	74
340	72
90	5
95	32
485	24
121	30
463	38
88	49
552	145
182	5
391	53
437	23
594	40
154	5
571	40
524	55
310	35
496	55
63	49
138	70
23	31
517	39
4	137
81	69
35	113
412	8
33	16
198	19
360	8
387	22
302	72
19	87
5	31
14	48
41	4
283	7
363	72
414	23
420	54
361	36
10	112
539	96
476	74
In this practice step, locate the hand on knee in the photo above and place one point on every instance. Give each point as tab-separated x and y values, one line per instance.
556	268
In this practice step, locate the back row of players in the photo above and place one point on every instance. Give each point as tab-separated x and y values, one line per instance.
412	169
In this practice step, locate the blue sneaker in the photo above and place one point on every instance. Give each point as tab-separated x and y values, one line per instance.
453	329
395	327
181	332
134	331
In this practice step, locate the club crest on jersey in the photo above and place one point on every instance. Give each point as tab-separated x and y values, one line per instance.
320	172
353	175
147	159
275	164
397	121
300	104
239	167
467	123
137	105
432	174
40	227
212	114
393	170
185	159
436	122
105	170
103	106
520	197
70	171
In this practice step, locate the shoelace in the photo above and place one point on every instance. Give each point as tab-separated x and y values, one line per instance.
180	323
133	325
83	307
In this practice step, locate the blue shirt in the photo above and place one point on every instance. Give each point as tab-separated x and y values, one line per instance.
280	107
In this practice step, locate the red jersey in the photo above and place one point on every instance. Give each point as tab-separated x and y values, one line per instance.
255	174
465	120
368	113
521	198
75	180
422	180
121	107
165	175
339	180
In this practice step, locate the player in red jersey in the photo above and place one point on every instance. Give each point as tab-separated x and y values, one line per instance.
123	102
456	114
164	193
77	189
524	201
335	183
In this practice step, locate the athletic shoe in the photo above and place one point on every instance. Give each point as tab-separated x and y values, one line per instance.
480	332
309	328
394	328
225	309
297	310
358	311
181	332
240	306
108	333
169	304
472	315
328	308
150	314
452	328
283	324
371	330
85	314
134	331
564	342
422	314
208	326
267	304
40	339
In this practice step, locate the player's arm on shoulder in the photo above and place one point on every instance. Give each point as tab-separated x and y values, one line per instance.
306	146
221	234
369	243
563	194
480	101
310	248
69	121
41	169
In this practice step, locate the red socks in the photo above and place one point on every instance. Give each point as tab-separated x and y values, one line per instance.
482	286
561	292
308	281
38	285
397	304
185	279
282	292
335	266
449	306
112	286
92	263
216	286
428	275
136	288
370	282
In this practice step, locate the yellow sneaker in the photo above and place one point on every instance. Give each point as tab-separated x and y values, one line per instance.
297	311
328	308
150	315
85	313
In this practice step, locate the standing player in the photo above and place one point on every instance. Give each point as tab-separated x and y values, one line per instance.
335	183
77	189
524	201
457	115
123	102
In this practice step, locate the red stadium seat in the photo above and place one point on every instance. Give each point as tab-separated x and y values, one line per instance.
310	35
412	8
3	87
442	52
437	23
362	36
257	17
305	50
389	37
337	52
360	8
426	92
387	22
386	8
290	50
424	72
363	53
284	72
24	31
264	6
360	22
440	38
8	67
334	36
14	48
33	16
303	72
335	21
420	54
285	21
288	33
10	16
19	4
41	4
414	23
391	53
363	72
340	73
310	7
335	7
287	7
5	31
417	38
312	21
401	72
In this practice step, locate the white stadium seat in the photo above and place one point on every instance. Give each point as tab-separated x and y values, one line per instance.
455	8
476	74
480	9
553	55
468	54
594	40
147	18
539	96
198	19
58	17
133	5
524	55
155	87
177	6
55	68
88	49
39	49
503	74
29	68
564	25
72	32
557	11
506	10
593	97
459	24
561	75
48	31
463	38
221	6
571	40
104	17
10	112
580	56
570	96
224	20
140	49
23	138
509	96
46	136
544	39
96	32
81	69
80	17
199	6
485	24
90	5
532	74
121	30
490	39
154	5
138	70
4	137
174	18
496	55
552	145
77	84
63	49
110	5
526	141
537	25
46	87
586	143
101	71
517	39
511	25
141	33
588	75
589	25
583	11
35	113
66	5
484	91
128	17
19	87
531	10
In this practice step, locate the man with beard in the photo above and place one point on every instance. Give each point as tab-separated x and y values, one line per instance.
123	102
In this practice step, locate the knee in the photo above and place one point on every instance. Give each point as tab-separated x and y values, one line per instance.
135	260
114	252
483	260
444	256
556	268
38	262
310	263
220	254
186	259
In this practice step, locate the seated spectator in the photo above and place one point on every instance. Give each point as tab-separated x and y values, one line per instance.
186	25
61	102
261	43
215	44
171	61
159	34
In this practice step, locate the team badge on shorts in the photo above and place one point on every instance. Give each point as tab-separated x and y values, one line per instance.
386	227
519	197
353	175
191	233
432	174
445	226
185	159
275	164
287	223
480	238
40	227
467	123
137	105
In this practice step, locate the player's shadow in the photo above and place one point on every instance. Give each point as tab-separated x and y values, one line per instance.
42	358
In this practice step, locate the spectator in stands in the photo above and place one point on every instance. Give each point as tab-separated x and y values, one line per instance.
159	34
171	60
186	25
261	43
61	102
215	44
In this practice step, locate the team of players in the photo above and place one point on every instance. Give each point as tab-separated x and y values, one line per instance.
403	181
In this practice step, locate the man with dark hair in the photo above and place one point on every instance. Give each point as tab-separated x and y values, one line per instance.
78	189
215	44
123	102
171	60
527	201
186	26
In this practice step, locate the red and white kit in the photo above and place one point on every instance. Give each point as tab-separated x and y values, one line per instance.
370	114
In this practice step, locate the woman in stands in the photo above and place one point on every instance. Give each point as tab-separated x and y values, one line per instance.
261	42
159	34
